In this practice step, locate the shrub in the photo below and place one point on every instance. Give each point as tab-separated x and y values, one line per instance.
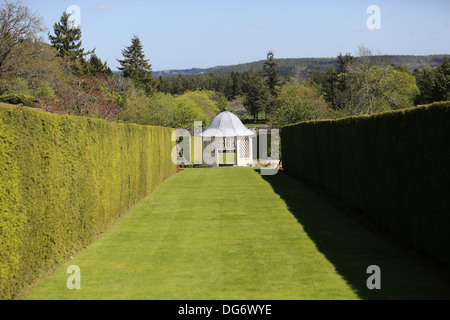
16	99
45	91
63	181
392	167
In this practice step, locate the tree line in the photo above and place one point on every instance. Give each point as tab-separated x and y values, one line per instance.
364	84
300	68
58	74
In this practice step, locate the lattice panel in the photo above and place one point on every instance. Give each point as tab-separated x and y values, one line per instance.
245	149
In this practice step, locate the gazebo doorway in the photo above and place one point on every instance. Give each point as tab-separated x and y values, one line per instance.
227	152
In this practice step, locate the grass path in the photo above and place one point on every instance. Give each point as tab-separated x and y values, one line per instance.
230	234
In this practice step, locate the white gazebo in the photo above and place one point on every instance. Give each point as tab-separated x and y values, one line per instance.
230	135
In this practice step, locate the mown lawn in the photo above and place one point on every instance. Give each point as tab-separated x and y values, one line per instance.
229	233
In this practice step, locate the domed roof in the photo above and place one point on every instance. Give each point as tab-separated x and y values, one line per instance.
225	125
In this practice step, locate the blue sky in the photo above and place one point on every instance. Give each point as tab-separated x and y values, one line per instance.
182	34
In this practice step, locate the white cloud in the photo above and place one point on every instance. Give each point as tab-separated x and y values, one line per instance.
100	7
430	33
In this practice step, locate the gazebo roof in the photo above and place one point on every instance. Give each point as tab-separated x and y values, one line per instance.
227	125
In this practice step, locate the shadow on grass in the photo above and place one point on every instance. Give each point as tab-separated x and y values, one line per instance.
351	247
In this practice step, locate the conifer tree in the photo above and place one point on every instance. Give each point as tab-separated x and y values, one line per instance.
273	82
96	66
257	94
67	39
271	72
136	67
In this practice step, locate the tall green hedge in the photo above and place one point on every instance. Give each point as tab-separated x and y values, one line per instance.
63	181
394	168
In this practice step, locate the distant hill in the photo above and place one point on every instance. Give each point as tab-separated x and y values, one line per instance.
300	67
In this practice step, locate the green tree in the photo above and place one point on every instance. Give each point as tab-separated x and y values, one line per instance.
330	87
136	106
300	103
161	110
204	100
45	91
19	86
272	81
372	86
426	81
271	73
343	62
41	64
236	85
316	78
434	83
95	66
136	67
186	112
18	26
67	39
443	81
342	83
256	94
398	89
222	104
